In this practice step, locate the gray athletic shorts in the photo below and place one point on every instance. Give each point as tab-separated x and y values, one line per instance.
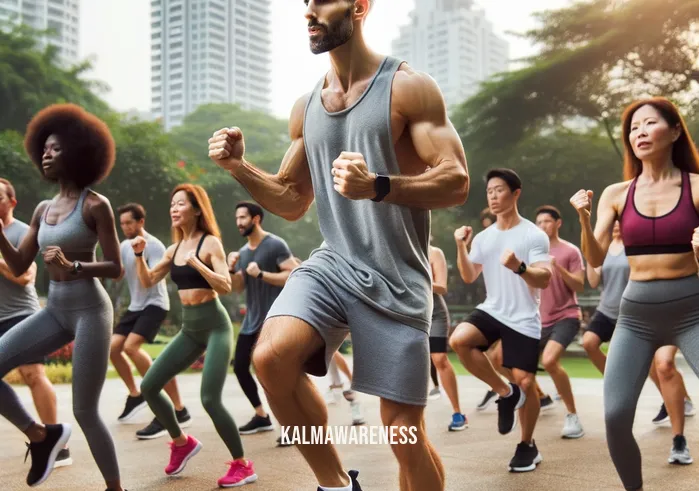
563	332
391	359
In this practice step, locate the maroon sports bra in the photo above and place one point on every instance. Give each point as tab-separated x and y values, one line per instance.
667	234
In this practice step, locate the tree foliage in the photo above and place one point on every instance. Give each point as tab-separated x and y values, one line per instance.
596	56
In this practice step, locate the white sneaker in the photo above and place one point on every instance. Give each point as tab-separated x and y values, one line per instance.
333	395
434	394
357	418
680	452
689	408
572	427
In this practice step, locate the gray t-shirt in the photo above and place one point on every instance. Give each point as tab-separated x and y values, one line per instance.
260	295
143	297
16	300
615	276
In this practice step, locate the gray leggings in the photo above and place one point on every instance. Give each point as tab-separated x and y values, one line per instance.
652	314
77	310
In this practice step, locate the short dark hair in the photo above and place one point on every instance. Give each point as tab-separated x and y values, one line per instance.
554	212
9	188
137	211
486	214
87	145
254	209
508	175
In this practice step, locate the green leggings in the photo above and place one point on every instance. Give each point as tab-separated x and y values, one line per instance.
205	328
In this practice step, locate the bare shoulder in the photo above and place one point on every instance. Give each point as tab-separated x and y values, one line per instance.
415	92
94	199
298	113
212	243
39	211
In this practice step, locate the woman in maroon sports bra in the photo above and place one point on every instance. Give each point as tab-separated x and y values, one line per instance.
657	209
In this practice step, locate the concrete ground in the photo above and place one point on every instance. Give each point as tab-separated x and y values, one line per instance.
475	459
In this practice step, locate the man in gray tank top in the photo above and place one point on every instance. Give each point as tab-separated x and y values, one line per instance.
141	323
361	143
18	300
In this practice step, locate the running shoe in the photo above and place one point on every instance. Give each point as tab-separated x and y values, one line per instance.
256	425
353	475
458	422
132	407
507	409
679	454
547	403
526	458
662	416
179	456
572	428
689	410
434	394
152	431
238	474
44	453
357	418
490	396
63	459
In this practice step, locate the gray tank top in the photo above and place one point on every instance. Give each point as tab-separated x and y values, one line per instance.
440	309
72	234
615	276
377	252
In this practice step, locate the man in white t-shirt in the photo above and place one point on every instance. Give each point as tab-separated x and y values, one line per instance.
513	255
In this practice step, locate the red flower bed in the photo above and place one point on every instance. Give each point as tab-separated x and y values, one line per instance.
62	356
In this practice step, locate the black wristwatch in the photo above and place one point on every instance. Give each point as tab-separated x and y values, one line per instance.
77	268
522	268
382	186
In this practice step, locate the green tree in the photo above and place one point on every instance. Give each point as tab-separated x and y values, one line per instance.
596	56
32	79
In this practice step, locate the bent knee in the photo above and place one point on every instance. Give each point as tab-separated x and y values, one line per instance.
33	375
666	368
591	342
441	362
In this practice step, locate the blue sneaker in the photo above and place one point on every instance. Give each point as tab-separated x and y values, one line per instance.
458	422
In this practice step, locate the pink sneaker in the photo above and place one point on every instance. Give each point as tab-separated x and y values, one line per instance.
239	474
179	456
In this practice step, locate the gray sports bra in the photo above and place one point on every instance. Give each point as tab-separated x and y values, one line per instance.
72	234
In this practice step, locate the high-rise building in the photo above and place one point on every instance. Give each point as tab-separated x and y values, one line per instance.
62	16
208	51
454	43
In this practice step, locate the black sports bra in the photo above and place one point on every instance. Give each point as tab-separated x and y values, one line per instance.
186	277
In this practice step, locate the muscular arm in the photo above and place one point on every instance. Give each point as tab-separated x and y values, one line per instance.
219	277
29	276
439	271
468	270
110	266
279	279
418	99
574	281
149	277
594	276
289	192
538	275
19	259
594	244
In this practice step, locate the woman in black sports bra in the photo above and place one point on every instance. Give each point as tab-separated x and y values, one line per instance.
196	262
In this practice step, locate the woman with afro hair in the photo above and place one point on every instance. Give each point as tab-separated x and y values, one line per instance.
74	149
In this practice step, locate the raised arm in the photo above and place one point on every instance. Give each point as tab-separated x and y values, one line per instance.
418	99
439	271
147	276
594	276
19	259
28	277
468	270
217	276
594	244
289	192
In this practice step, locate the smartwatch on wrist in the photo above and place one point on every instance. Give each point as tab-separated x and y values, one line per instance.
77	268
382	186
522	269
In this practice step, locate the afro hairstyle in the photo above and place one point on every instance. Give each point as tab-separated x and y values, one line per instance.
87	147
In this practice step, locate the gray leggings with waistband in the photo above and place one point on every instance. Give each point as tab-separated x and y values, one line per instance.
652	314
77	310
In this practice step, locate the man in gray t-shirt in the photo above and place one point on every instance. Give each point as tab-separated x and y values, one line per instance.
141	322
18	300
261	268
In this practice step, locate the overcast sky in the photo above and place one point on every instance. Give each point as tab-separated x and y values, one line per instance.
116	33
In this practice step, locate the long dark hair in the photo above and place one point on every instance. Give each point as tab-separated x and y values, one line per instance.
684	151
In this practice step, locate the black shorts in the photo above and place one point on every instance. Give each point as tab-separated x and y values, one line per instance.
438	345
518	351
563	332
145	323
8	324
602	325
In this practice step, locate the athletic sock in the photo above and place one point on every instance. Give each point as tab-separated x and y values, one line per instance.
346	488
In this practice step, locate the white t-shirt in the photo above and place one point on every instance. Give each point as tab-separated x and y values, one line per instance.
508	297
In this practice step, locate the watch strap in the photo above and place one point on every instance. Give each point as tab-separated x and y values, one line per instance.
382	186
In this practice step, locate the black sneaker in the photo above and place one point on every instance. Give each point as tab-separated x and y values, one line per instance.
662	416
353	479
152	431
256	425
63	459
546	403
489	397
44	453
284	443
132	407
507	409
526	458
183	418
